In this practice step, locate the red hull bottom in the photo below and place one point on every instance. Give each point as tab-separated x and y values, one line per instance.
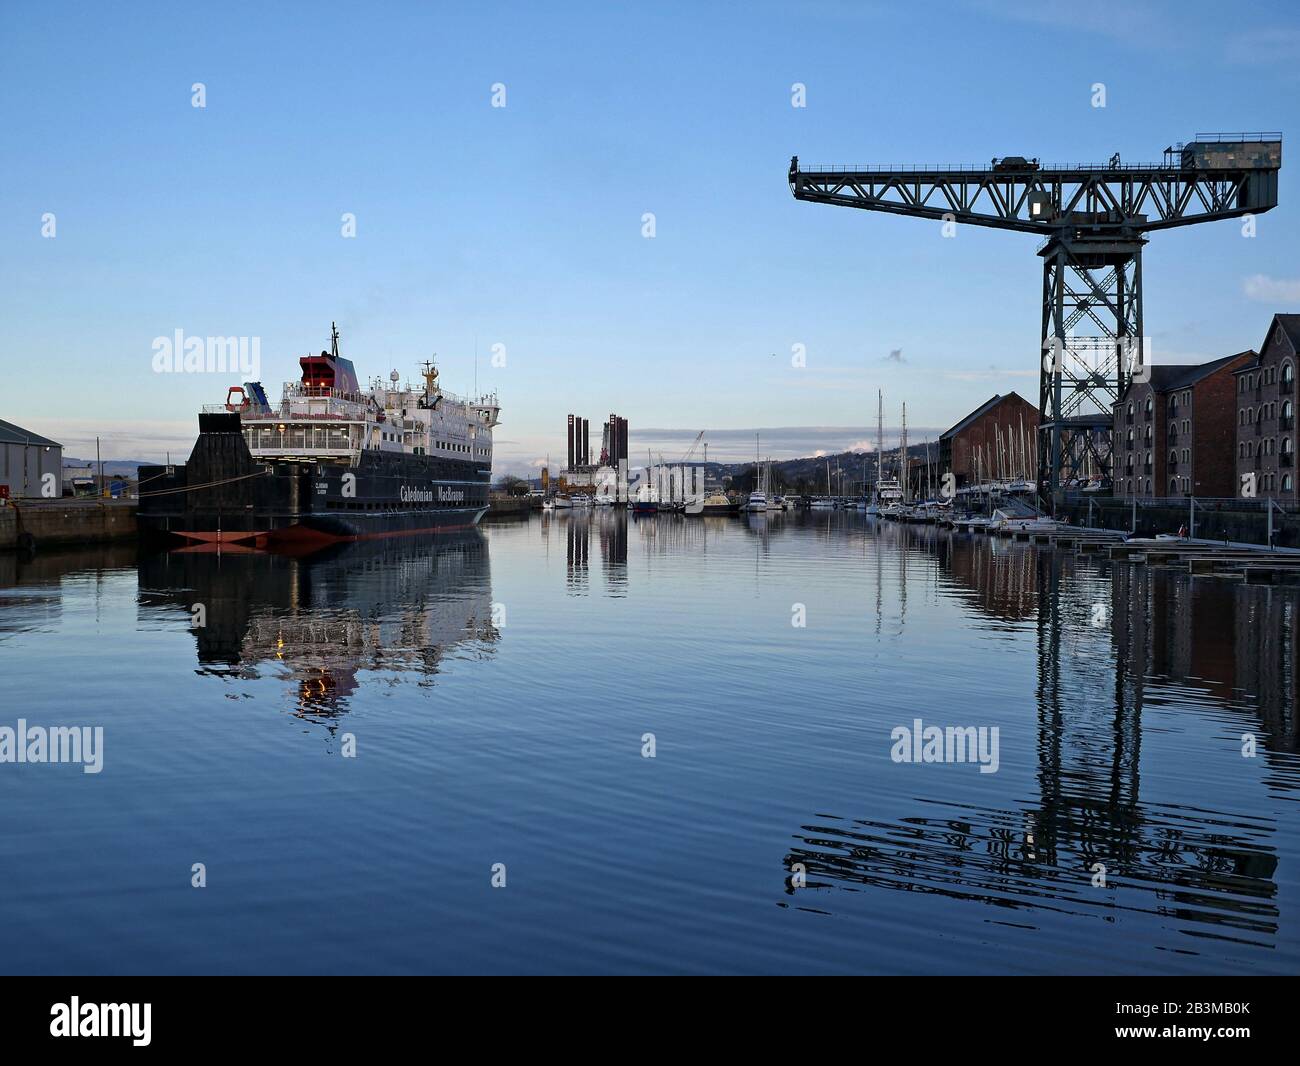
297	537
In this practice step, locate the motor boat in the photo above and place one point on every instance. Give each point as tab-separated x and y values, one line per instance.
717	503
1021	523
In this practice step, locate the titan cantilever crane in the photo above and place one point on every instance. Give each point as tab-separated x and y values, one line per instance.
1094	219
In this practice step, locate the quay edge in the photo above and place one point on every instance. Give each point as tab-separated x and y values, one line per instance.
35	524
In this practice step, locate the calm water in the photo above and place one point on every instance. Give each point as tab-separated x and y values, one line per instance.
498	687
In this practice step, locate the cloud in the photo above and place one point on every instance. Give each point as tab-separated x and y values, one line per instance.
1277	44
1137	24
143	439
1263	289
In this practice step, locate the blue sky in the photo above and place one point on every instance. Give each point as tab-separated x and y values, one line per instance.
522	226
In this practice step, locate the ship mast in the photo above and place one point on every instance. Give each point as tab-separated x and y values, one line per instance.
430	374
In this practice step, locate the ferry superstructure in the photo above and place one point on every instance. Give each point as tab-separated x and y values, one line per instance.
332	461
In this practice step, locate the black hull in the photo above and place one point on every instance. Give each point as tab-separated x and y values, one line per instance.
223	495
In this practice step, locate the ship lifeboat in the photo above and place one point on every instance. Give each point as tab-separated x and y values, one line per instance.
243	401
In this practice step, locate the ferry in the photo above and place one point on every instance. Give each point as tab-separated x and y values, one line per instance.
330	462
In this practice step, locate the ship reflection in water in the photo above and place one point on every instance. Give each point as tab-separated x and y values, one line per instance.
1123	831
321	620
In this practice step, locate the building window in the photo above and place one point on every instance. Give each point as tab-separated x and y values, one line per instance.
1150	406
1286	482
1173	485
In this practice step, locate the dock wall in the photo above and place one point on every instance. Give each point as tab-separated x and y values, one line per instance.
510	506
1215	520
26	524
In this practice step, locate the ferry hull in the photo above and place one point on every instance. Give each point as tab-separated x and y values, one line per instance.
223	495
324	528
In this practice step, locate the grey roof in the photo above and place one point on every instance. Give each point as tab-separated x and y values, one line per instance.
1172	376
1180	375
11	434
1290	326
981	409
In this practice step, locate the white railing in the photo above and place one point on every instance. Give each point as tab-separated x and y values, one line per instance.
271	453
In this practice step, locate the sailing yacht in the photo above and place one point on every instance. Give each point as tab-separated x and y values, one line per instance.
874	505
757	501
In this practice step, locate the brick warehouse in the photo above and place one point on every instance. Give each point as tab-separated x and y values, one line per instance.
996	440
1265	415
1174	433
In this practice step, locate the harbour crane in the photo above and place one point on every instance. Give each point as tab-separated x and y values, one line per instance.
1093	219
694	444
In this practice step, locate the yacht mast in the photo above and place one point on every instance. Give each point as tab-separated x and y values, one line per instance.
902	454
880	440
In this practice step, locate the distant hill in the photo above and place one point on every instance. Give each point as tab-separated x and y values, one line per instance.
808	475
112	467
